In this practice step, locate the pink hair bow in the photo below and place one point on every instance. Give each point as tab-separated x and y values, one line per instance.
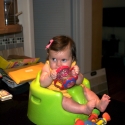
50	42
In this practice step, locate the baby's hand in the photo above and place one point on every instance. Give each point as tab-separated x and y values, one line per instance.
75	70
53	74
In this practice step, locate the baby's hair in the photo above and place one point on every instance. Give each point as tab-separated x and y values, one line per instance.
61	42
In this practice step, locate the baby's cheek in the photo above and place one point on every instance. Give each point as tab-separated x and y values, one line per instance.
73	72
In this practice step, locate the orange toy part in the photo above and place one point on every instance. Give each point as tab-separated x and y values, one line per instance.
106	116
93	117
79	122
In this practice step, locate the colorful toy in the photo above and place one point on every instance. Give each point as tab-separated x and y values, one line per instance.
94	116
93	120
87	122
65	79
104	119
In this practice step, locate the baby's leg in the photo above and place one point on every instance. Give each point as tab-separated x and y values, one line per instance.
71	106
100	104
90	95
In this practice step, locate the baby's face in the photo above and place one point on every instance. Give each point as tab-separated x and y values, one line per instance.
60	58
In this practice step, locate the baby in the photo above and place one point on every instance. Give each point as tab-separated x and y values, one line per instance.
61	51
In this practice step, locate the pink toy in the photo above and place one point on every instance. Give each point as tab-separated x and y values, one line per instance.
64	78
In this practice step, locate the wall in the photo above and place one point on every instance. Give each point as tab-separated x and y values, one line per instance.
11	44
26	19
96	34
118	31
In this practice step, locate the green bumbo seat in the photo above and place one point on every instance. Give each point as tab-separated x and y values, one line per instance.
45	106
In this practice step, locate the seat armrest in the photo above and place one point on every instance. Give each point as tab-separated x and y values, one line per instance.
86	83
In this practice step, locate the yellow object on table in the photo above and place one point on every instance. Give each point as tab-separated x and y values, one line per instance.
25	73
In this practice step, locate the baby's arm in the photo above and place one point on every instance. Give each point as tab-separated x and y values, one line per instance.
80	79
47	76
76	71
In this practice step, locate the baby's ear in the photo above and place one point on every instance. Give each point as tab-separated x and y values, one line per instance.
48	54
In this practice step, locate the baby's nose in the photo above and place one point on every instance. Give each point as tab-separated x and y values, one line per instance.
58	64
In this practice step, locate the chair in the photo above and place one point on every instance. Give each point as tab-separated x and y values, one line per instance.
44	106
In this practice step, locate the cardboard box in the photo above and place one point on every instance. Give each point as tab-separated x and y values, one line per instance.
17	61
98	81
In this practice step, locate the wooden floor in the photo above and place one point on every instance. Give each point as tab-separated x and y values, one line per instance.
116	81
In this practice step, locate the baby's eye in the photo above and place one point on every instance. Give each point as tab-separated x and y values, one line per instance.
54	59
64	60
